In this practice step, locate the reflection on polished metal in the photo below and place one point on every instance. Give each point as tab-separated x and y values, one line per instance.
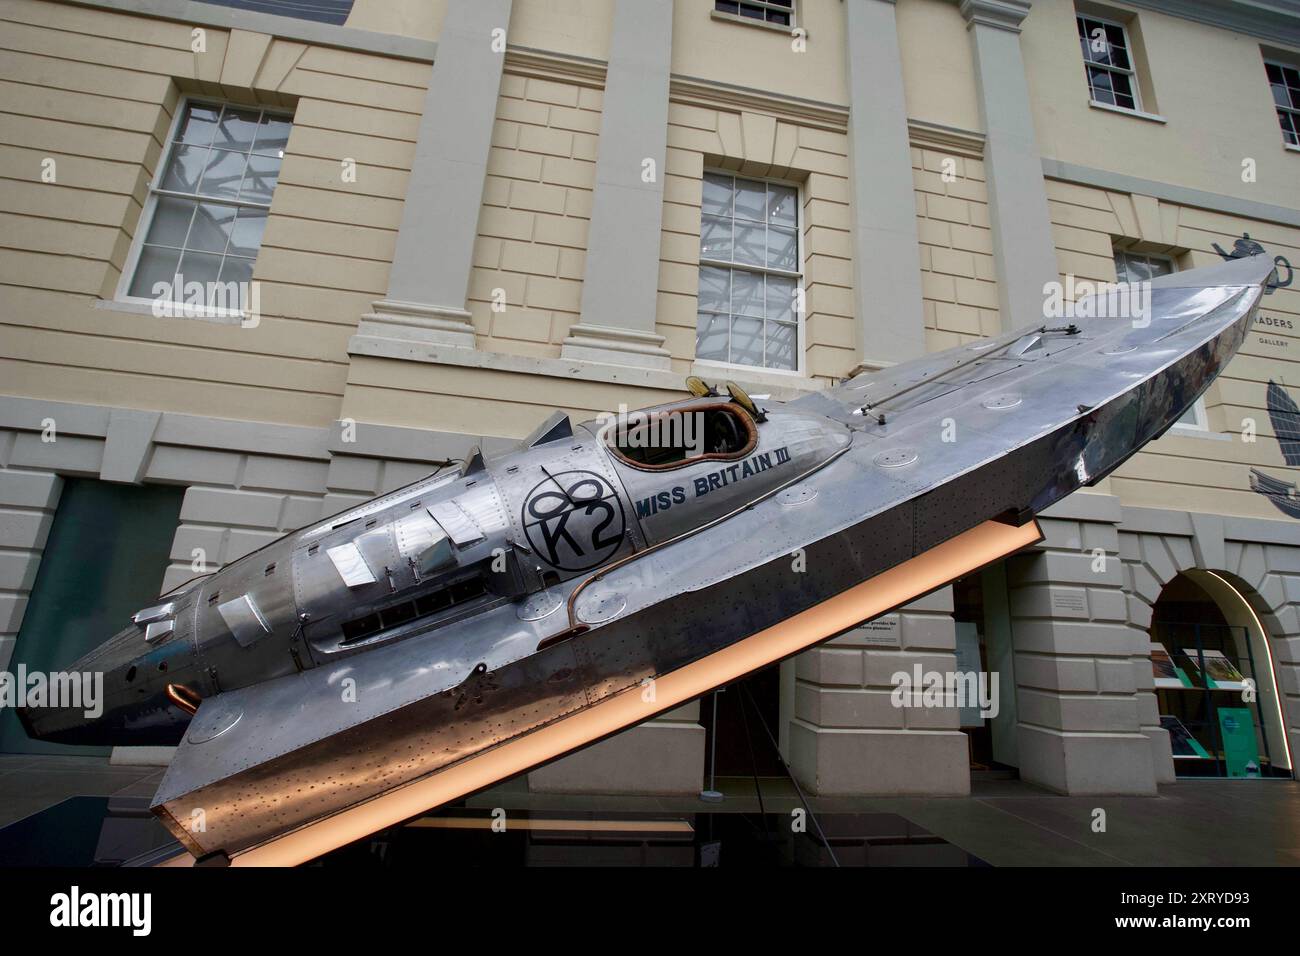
479	623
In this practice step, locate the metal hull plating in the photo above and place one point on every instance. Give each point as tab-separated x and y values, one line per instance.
648	571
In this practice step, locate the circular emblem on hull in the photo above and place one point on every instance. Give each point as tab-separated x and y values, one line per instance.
601	603
1002	401
212	722
896	458
796	496
574	520
538	605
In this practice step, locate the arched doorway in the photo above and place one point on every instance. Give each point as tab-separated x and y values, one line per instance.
1214	680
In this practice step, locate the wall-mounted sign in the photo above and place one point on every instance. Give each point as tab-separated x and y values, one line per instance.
882	632
1246	246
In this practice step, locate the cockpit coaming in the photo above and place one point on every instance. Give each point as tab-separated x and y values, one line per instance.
737	460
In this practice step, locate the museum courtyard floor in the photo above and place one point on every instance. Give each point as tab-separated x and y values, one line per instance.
1002	823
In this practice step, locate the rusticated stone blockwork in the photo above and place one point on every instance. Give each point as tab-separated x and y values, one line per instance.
847	734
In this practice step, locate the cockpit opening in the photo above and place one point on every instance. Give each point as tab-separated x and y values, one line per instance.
677	437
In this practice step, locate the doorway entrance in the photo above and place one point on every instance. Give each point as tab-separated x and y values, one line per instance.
982	616
1214	681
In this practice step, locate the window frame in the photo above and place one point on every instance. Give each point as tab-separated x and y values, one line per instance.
1131	72
1200	422
145	224
1294	112
767	6
799	277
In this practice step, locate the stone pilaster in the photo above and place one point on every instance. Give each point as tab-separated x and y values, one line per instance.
1083	691
429	281
1023	245
620	288
886	262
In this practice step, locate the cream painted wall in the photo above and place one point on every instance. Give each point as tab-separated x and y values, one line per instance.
570	27
421	19
95	91
938	67
752	56
1209	85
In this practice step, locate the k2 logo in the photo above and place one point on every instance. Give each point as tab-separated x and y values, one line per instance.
574	520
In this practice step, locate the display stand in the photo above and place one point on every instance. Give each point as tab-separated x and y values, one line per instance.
1200	681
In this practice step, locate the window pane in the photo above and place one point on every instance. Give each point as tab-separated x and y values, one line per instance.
780	298
1123	86
747	293
1093	36
1159	267
185	169
1289	130
200	267
747	341
156	265
781	341
198	124
246	236
272	136
715	238
781	205
782	249
211	228
236	129
235	274
717	195
1099	84
715	295
260	178
223	173
751	241
751	200
171	221
1137	269
711	337
1188	417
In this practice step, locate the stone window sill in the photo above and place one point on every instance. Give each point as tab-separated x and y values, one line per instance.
1136	114
218	316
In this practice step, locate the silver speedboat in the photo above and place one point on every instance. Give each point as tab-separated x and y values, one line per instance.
493	617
